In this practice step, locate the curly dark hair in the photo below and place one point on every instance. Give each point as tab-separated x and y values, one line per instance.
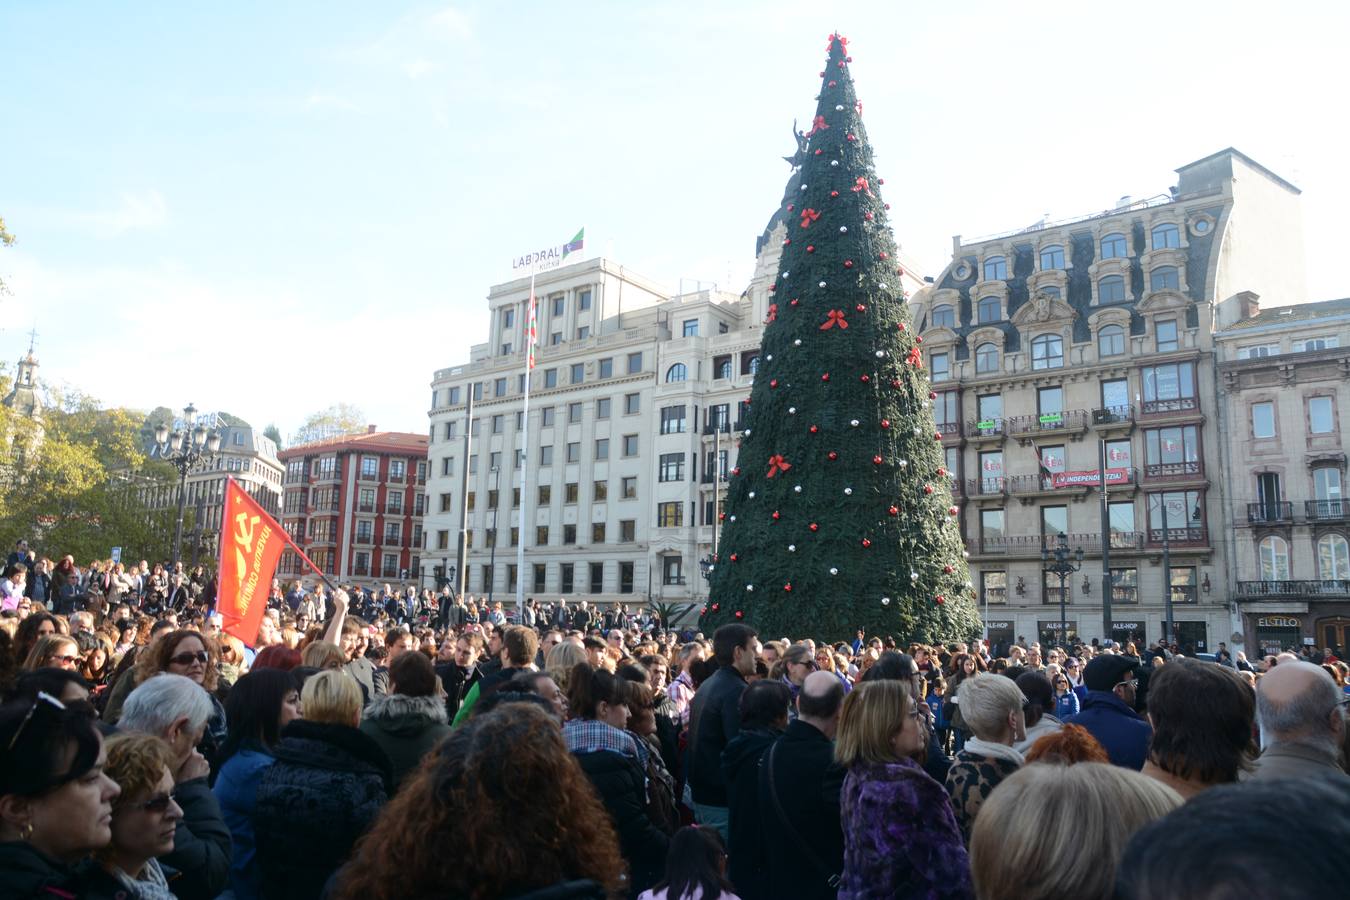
512	804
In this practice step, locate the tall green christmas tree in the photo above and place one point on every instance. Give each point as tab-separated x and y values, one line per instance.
839	512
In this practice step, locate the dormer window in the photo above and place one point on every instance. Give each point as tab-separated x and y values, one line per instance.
986	358
1164	278
944	316
1114	247
1111	289
1165	236
990	310
1047	352
995	268
1111	341
1052	257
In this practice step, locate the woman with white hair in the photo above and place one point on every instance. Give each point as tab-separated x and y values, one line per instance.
992	707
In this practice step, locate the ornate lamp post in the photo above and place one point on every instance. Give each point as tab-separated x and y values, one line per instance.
184	449
1063	568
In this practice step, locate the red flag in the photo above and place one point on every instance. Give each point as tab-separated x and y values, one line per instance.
251	542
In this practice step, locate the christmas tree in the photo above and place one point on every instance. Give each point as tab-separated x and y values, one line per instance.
839	512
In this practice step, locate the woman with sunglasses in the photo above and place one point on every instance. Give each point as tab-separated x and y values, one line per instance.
1066	701
195	656
144	817
55	800
56	651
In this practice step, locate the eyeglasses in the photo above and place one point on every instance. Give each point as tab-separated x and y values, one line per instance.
66	658
1133	683
158	803
42	697
187	659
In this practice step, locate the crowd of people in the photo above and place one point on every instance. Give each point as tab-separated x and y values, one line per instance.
391	743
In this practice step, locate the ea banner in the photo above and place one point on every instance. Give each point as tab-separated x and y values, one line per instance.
251	542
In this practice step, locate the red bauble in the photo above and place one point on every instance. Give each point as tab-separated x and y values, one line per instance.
788	587
939	600
773	382
789	207
932	395
734	557
786	241
716	606
942	471
810	248
773	288
704	612
736	471
885	206
834	193
739	614
881	181
793	302
937	435
831	84
721	517
848	264
952	510
918	339
885	424
867	216
849	137
885	255
901	326
876	460
865	379
928	489
775	515
861	307
813	526
948	570
894	510
818	152
825	377
895	382
866	543
832	456
814	428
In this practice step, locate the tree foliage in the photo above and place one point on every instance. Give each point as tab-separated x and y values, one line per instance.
271	431
6	240
335	421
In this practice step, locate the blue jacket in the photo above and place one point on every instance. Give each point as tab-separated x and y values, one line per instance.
1120	730
236	791
1067	705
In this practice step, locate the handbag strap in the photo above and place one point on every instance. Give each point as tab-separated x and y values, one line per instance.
793	833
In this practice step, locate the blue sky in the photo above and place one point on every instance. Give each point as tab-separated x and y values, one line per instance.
273	207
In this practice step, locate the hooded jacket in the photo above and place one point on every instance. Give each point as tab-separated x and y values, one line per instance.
406	728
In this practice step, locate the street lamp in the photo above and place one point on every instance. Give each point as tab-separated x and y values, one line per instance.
1063	568
184	448
706	565
492	557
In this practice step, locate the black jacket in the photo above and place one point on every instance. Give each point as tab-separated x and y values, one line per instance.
201	844
324	790
457	683
622	785
808	783
746	865
374	682
28	874
714	719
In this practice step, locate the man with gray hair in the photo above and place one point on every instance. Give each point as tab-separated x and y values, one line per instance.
1301	714
175	708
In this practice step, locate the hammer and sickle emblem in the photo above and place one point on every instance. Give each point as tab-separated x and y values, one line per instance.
244	525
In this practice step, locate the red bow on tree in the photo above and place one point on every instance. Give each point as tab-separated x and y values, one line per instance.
861	185
858	106
836	317
817	124
843	42
809	216
777	464
773	313
915	358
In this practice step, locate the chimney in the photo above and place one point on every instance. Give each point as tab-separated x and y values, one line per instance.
370	429
1250	304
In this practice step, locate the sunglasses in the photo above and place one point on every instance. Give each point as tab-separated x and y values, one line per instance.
187	659
65	658
158	803
42	697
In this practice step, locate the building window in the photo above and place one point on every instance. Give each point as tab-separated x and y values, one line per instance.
1051	290
544	495
1169	387
991	525
625	578
540	577
672	570
583	332
628	487
601	448
607	367
994	587
584	300
546	416
634	363
672	420
574	451
1320	417
573	413
1274	555
515	536
1120	516
721	367
986	359
1047	352
1052	257
749	363
989	310
499	387
670	514
602	408
944	316
565	578
492	500
550	378
541	535
578	373
498	423
1125	585
1111	289
689	328
677	372
995	268
630	445
1113	246
627	530
939	367
597	578
570	493
597	532
672	467
1051	590
1328	342
393	531
1172	451
557	306
570	535
370	467
546	455
1164	278
1165	236
1333	557
1111	340
600	491
1054	521
1263	420
632	404
1165	332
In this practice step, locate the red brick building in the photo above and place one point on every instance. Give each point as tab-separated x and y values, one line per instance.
355	504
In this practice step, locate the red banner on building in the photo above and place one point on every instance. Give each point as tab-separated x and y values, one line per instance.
1090	479
251	542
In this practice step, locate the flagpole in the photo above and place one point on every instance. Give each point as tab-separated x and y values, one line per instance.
530	329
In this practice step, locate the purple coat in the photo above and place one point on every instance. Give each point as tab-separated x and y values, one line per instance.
900	836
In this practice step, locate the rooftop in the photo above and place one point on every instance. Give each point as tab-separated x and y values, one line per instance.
374	440
1302	312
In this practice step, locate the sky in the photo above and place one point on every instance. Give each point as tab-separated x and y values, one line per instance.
272	207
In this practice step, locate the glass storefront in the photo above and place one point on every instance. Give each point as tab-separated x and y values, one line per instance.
1054	633
1124	632
1000	633
1278	633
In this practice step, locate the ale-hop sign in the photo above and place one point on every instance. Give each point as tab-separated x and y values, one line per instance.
549	257
1090	479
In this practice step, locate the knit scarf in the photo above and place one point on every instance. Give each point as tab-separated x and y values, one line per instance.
150	886
997	751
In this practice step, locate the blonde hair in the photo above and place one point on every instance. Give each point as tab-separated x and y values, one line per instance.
560	661
873	715
322	655
986	701
137	762
332	696
47	646
1025	846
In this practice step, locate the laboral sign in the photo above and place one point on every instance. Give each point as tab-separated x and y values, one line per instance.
1091	479
549	257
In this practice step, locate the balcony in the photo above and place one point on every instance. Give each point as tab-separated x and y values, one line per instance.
1270	513
707	478
1026	487
1171	473
393	510
951	433
326	475
360	571
1189	536
1180	408
1113	420
715	427
1326	510
1071	422
996	595
1270	590
977	488
366	539
365	507
985	431
1029	546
